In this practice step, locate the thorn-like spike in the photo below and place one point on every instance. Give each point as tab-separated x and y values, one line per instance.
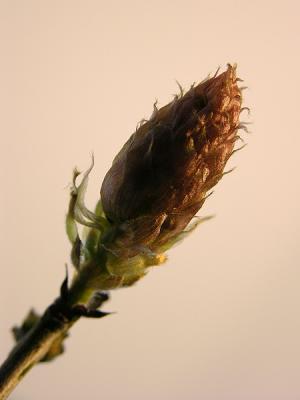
208	195
180	88
229	171
204	219
243	127
238	137
216	73
239	148
246	109
80	310
64	286
97	314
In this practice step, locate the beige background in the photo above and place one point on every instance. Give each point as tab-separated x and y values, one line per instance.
221	320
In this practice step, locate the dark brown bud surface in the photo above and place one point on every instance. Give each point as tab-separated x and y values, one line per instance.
161	176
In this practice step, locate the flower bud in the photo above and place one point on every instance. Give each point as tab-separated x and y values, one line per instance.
160	178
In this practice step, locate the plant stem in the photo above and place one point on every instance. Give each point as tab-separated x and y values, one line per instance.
51	328
33	347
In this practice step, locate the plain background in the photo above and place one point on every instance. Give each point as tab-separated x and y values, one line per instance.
219	321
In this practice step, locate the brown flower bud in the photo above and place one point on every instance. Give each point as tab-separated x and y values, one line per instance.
161	176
